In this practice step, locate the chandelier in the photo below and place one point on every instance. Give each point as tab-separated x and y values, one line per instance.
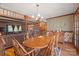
38	16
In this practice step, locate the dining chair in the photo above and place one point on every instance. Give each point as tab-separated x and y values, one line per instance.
47	51
59	38
50	46
26	36
19	50
2	45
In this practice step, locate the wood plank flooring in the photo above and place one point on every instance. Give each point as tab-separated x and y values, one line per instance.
67	50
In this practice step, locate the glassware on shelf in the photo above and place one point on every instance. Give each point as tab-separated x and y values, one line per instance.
15	29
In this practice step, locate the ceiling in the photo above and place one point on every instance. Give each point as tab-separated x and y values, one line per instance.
45	9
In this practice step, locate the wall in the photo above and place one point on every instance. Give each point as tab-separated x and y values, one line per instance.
64	23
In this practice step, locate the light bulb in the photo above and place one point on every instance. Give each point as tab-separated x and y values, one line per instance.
32	16
42	17
38	15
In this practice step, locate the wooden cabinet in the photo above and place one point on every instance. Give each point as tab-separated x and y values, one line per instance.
43	26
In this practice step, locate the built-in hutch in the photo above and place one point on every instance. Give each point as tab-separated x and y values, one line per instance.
12	23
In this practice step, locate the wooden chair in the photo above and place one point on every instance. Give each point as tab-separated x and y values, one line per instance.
20	50
57	48
47	51
2	45
25	36
59	38
50	47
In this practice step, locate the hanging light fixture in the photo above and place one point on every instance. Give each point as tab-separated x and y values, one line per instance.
38	16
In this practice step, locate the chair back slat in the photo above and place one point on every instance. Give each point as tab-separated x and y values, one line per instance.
59	38
17	43
2	45
47	51
20	50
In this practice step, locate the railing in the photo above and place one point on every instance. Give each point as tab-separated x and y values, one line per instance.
9	13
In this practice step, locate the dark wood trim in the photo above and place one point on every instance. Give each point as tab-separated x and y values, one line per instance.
8	47
60	16
77	9
61	31
4	18
64	15
10	17
77	13
77	50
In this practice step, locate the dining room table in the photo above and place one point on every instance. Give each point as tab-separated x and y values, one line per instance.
37	42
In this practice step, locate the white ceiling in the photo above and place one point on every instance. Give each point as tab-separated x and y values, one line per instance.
45	9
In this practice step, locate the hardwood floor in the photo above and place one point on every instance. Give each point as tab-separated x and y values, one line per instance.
67	50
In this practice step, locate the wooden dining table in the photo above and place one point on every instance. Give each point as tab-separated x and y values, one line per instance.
37	42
